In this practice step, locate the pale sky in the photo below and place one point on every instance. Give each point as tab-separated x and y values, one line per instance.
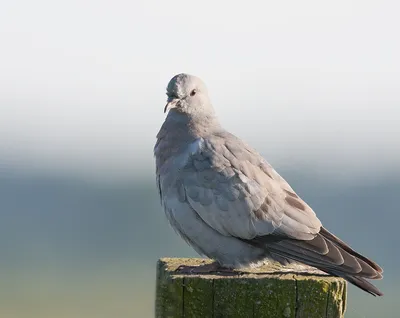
82	83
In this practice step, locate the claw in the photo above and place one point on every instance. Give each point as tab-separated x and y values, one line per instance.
204	269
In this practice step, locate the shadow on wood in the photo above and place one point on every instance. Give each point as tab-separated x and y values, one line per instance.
294	291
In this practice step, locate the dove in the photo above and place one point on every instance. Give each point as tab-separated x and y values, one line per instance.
224	199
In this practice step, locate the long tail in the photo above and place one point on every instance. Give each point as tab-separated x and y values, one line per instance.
331	255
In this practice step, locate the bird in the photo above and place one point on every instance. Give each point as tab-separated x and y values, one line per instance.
230	205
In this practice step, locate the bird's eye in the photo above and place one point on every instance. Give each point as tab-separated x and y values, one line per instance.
193	92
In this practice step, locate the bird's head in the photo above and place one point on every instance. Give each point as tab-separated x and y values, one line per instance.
188	94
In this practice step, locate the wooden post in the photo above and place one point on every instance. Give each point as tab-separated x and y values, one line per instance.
293	291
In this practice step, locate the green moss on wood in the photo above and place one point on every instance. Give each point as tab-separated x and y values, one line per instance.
275	296
169	294
336	300
198	297
232	298
312	297
268	291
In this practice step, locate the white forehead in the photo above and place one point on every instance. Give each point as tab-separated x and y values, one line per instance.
182	84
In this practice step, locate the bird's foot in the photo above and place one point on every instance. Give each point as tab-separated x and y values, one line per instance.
204	269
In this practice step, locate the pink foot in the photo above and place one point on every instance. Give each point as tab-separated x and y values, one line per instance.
204	269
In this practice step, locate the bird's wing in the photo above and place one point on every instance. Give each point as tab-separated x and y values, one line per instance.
236	192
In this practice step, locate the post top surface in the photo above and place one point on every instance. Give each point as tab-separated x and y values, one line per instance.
264	270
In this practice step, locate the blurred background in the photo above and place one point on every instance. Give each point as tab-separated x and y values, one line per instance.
312	85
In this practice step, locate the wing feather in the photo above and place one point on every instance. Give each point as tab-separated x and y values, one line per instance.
236	192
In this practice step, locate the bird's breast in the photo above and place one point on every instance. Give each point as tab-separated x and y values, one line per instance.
170	163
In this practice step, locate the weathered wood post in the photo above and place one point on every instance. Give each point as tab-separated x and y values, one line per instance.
269	291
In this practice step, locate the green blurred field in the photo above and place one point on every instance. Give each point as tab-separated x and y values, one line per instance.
124	290
71	249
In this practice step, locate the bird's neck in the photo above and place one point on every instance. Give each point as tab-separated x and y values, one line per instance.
196	125
180	130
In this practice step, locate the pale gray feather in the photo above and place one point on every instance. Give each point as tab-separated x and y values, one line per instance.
229	204
237	193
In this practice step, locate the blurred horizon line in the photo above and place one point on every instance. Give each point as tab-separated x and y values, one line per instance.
303	171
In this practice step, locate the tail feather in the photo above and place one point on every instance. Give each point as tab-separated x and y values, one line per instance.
324	232
362	283
329	254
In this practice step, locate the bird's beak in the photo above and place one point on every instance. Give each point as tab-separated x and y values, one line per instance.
171	104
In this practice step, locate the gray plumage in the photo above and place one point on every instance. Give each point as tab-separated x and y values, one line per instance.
230	205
